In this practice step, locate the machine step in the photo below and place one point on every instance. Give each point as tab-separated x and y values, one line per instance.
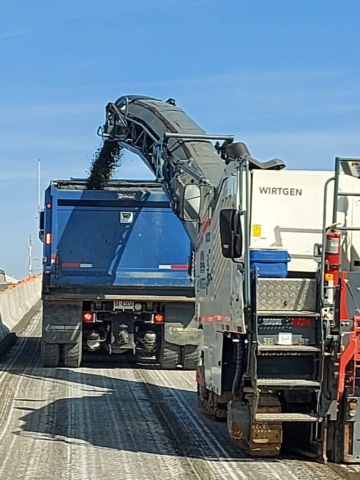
287	313
289	348
287	417
287	383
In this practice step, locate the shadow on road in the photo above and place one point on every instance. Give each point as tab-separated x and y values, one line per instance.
118	411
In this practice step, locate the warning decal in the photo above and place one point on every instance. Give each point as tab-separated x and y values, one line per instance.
126	217
256	231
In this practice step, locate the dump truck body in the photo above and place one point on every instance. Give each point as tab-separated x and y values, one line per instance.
116	272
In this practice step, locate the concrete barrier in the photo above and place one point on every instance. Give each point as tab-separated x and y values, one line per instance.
16	301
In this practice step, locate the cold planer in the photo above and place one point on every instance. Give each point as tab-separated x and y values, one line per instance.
279	355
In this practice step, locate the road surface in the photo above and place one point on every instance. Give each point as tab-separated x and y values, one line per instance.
118	422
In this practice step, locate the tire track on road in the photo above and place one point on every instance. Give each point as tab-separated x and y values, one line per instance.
116	422
13	382
144	449
212	443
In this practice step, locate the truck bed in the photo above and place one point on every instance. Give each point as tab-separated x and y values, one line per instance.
124	236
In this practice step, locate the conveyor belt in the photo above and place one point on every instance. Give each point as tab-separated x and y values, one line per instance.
176	150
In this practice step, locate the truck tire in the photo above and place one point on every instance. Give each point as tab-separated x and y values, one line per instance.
50	354
191	357
169	356
72	354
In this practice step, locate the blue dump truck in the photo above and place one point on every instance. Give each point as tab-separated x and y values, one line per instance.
116	275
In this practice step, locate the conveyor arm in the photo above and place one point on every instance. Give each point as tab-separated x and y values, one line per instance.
179	153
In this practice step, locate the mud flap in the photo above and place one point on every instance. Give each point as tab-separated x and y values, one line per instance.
61	322
181	327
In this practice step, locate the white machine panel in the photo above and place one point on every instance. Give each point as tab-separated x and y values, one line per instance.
287	212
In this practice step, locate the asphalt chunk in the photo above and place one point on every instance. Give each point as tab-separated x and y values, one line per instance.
106	159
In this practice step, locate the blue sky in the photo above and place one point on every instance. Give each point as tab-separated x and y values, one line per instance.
281	75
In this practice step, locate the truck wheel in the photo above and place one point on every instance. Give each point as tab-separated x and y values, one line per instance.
50	354
72	354
169	356
191	357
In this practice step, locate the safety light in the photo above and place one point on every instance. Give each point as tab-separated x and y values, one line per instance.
352	407
352	404
88	317
48	239
159	318
301	322
48	205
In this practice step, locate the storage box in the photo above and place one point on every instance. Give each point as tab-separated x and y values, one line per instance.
270	263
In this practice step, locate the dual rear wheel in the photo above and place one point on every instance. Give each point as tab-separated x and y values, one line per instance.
170	356
53	353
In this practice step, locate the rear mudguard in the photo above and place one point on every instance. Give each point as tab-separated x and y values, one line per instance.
61	321
181	327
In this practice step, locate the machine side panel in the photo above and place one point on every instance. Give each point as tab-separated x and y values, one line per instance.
219	289
287	212
287	295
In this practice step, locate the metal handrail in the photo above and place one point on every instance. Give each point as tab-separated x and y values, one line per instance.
337	194
247	232
322	268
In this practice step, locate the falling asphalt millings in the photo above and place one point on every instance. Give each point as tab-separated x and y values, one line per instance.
105	161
